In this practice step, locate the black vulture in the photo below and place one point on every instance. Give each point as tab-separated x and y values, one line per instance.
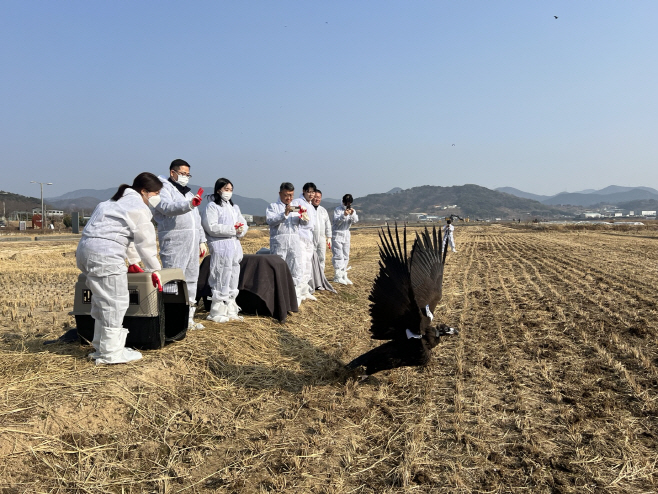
402	302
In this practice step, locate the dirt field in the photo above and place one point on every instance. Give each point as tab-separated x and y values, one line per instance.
551	386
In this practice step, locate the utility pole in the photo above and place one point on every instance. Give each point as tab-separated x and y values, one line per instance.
4	212
42	211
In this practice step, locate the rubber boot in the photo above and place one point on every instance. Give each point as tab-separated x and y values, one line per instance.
112	348
190	322
233	310
218	311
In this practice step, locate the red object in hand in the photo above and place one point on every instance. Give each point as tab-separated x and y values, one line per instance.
238	225
197	198
302	210
134	268
156	281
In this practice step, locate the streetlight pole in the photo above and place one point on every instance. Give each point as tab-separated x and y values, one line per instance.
4	212
42	211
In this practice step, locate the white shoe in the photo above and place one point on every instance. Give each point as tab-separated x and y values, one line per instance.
218	311
112	350
340	276
190	322
308	296
233	310
347	280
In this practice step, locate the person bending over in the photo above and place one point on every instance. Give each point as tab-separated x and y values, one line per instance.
118	229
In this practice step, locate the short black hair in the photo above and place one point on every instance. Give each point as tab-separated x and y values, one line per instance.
176	164
318	191
286	186
308	186
348	199
448	221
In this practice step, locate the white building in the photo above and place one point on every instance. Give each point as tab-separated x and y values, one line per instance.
648	213
49	212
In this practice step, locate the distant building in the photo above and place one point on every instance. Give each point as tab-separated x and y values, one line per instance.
648	213
49	212
249	218
588	214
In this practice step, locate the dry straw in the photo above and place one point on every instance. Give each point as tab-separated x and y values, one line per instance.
551	387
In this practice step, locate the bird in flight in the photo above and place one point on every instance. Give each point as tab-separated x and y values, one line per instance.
402	302
555	16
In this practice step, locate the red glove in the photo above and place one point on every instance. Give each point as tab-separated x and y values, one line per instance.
134	268
155	278
197	198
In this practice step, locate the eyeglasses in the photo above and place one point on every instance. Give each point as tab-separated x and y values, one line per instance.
184	174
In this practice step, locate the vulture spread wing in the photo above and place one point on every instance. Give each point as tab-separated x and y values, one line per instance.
427	269
393	308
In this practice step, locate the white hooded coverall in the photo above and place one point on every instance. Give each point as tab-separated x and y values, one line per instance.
180	233
306	231
116	231
340	238
284	238
225	250
448	237
321	232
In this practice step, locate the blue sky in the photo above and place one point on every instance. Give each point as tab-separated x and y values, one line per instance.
356	96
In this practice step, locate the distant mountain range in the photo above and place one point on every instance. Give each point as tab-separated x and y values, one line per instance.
611	195
87	199
464	200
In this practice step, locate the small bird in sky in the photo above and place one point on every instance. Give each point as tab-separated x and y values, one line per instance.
555	16
453	144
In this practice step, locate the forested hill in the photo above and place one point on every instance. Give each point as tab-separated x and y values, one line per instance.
471	200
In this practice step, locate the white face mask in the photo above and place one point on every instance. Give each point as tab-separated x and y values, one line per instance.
226	195
154	200
182	180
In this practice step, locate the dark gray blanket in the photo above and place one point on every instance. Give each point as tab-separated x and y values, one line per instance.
266	286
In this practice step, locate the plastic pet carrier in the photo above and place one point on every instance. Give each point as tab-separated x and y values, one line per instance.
153	318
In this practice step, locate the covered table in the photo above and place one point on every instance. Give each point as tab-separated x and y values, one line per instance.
266	286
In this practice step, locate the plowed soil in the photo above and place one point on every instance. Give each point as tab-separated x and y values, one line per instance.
550	387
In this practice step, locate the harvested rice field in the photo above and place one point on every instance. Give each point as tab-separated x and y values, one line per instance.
550	387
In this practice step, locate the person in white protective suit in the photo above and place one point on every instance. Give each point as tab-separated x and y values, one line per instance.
118	229
306	239
181	236
284	220
448	236
344	217
322	230
224	226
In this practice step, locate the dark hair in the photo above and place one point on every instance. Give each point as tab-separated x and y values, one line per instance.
308	186
318	191
286	186
216	196
448	221
176	164
144	180
348	199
